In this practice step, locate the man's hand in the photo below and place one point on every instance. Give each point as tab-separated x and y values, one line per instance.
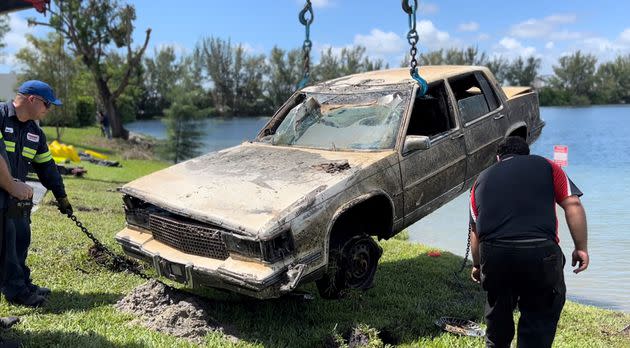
20	190
64	205
580	257
475	274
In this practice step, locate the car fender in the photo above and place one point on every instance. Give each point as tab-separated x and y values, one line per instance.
516	126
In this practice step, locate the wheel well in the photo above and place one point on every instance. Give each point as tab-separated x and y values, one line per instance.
520	132
373	216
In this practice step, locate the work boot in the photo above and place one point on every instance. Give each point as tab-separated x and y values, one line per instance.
28	298
7	322
40	290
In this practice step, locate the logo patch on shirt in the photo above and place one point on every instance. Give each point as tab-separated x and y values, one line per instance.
32	137
8	130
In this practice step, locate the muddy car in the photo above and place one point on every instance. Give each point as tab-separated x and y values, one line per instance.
340	165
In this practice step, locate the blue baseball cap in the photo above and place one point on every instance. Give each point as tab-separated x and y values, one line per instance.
39	88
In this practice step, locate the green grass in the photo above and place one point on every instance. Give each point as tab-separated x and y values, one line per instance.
412	290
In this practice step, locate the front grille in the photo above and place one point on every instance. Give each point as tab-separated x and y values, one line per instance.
188	237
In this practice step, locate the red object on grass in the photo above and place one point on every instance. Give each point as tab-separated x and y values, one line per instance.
434	253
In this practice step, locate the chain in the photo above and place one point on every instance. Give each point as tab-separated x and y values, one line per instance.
125	263
307	45
467	252
413	38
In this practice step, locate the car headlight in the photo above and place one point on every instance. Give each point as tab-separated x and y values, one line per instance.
135	212
269	251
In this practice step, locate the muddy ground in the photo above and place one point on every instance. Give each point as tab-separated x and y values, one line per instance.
171	311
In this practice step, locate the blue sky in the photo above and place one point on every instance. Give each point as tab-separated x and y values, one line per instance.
546	29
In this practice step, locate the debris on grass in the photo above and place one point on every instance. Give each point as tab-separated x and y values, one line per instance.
434	253
170	311
361	336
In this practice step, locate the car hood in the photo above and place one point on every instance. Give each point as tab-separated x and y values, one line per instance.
250	188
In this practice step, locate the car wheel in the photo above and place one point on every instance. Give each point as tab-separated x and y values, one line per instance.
351	265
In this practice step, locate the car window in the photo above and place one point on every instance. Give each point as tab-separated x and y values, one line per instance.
343	121
431	114
474	96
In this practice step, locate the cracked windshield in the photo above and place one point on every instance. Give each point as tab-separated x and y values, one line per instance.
367	121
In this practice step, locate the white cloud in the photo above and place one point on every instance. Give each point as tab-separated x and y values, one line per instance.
320	3
433	38
512	48
541	27
469	26
380	43
549	45
428	8
483	37
566	35
624	37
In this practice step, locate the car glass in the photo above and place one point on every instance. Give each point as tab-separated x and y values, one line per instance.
368	121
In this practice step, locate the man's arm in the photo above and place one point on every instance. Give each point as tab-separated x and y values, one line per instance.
576	220
16	189
475	273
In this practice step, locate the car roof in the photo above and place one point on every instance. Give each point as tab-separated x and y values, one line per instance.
386	77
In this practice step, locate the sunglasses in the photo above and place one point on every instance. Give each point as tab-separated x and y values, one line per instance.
46	102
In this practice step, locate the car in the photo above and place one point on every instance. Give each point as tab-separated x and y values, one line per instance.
340	165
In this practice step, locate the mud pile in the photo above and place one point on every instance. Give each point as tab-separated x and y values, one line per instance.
166	310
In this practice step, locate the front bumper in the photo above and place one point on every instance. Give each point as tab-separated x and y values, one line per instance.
247	277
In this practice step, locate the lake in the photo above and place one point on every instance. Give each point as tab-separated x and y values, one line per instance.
599	164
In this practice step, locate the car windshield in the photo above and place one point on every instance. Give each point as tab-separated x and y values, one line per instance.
368	121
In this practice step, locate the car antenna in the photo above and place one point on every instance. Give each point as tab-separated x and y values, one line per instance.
412	38
306	46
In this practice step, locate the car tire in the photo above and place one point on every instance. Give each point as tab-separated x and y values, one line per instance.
352	264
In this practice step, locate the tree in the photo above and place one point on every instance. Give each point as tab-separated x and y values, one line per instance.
182	118
161	73
96	30
612	82
47	60
522	72
350	60
498	66
237	77
4	29
284	73
575	75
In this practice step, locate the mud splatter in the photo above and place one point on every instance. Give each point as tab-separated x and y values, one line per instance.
333	167
170	311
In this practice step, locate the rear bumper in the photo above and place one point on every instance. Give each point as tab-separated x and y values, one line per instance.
247	277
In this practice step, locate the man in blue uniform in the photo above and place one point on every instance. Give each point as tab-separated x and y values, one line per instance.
514	243
26	146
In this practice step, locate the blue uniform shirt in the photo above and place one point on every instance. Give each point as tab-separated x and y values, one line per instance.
26	146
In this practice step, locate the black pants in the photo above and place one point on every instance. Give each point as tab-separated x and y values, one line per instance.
527	274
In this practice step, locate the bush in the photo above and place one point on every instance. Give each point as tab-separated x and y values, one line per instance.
86	111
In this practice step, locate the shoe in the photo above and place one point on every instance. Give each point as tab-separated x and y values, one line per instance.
40	290
28	298
7	322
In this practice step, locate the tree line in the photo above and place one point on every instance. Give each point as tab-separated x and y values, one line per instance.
91	61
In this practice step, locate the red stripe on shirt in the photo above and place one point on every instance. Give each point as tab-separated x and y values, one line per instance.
561	186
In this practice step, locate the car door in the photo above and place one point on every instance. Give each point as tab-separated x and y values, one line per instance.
483	117
432	176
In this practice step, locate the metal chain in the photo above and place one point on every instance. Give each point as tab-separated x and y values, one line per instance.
307	45
125	263
467	252
412	38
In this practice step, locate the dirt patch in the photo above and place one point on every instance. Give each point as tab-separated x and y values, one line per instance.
360	336
170	311
333	167
625	331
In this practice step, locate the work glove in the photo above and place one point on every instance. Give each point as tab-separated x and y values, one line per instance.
64	205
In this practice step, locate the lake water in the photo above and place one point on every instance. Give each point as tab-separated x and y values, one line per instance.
599	164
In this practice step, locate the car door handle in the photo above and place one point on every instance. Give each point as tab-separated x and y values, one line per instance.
457	136
498	117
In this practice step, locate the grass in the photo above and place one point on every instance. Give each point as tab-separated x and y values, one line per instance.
412	290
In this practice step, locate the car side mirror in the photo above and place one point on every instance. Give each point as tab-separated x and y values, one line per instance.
416	142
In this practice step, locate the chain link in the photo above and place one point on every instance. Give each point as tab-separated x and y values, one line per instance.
413	38
124	262
307	45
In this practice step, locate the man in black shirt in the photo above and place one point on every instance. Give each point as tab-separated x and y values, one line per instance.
514	243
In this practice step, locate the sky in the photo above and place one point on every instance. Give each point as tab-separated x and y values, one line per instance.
546	29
